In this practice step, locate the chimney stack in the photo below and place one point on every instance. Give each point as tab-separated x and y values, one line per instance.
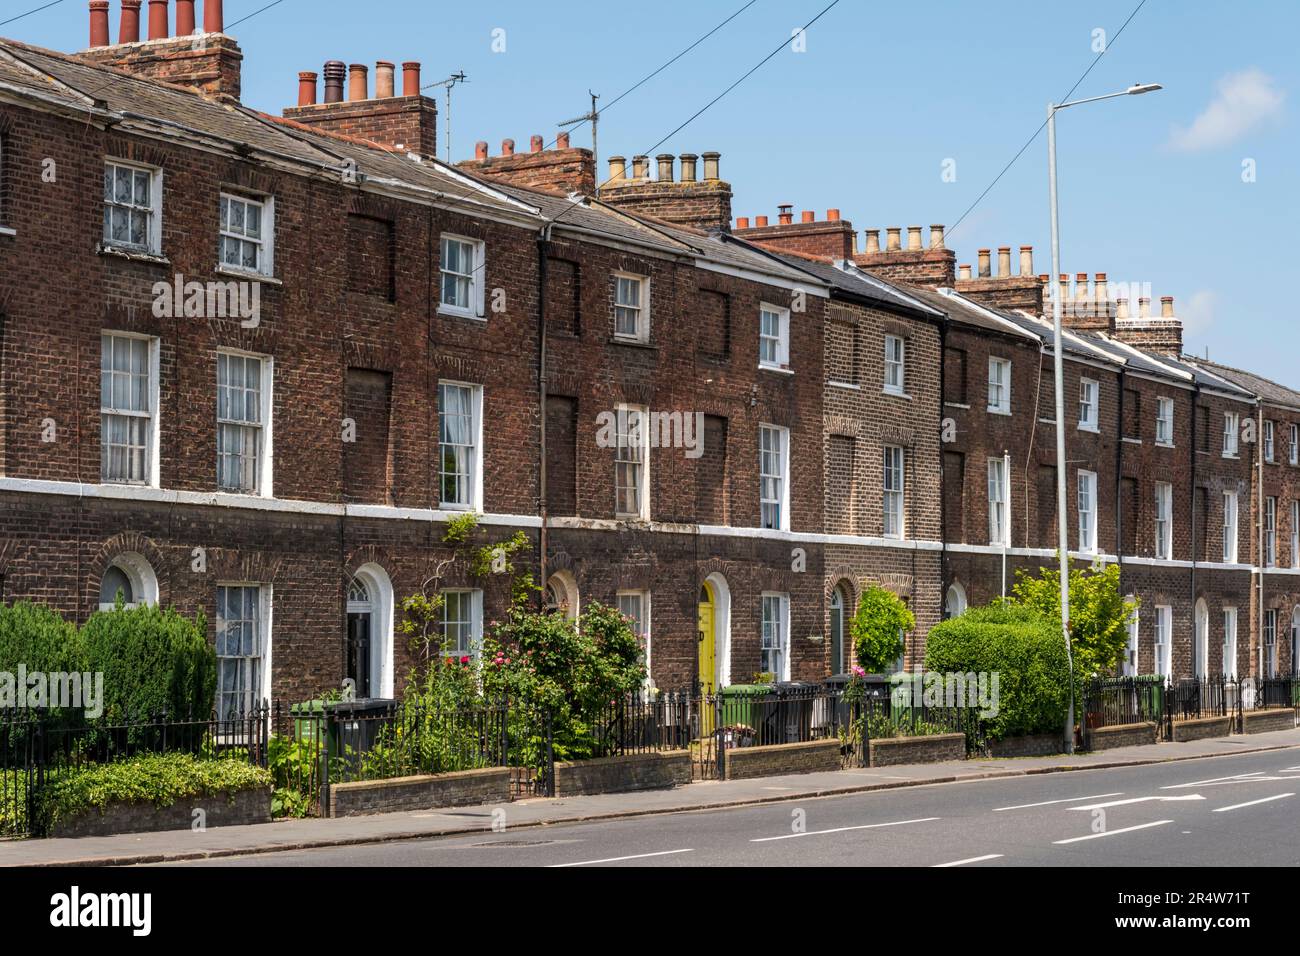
1163	335
214	20
157	19
98	23
385	83
334	72
185	18
129	29
306	89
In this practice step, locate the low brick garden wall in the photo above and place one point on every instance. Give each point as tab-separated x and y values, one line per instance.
745	762
459	789
1123	735
222	810
1036	745
1263	721
1201	727
650	771
890	751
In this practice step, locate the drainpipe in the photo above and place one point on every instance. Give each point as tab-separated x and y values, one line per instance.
1196	401
944	578
1259	538
1006	534
543	243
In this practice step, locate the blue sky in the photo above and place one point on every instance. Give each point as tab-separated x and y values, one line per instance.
1152	187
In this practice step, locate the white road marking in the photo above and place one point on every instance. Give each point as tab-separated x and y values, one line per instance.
865	826
618	859
1106	833
1047	803
1238	806
1201	783
974	859
1120	803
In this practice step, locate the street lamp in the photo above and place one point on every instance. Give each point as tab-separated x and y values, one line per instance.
1063	540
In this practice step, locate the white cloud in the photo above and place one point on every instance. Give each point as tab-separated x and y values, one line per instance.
1197	312
1243	101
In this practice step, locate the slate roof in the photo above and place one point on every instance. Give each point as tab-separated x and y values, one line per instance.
853	281
1265	389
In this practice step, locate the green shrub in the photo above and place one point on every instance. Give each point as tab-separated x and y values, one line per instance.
1024	648
153	660
160	779
878	626
37	638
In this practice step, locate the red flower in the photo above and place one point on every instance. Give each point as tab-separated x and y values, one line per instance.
464	660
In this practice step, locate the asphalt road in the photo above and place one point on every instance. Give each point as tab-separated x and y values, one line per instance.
1237	810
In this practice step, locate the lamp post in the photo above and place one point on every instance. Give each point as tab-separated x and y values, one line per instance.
1063	540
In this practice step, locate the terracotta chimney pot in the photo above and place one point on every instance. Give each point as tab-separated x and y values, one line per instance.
185	18
481	150
893	238
98	23
306	88
985	269
384	80
157	19
411	78
358	82
873	241
214	19
129	29
913	238
936	236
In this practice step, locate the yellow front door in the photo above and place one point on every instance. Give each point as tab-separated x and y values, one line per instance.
708	645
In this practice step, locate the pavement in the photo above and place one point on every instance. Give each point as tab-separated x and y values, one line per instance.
392	828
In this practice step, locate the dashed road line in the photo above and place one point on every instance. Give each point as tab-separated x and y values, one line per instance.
1107	833
1048	803
1252	803
865	826
973	859
618	859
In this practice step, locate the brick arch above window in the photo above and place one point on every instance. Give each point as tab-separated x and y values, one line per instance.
108	553
230	334
231	564
120	147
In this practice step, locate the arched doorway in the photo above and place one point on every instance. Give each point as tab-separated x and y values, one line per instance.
714	634
1201	643
562	594
130	576
370	632
954	602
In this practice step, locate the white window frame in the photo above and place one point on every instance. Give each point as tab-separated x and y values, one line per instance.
1002	383
151	415
894	486
262	692
153	242
895	365
775	616
1229	663
1165	422
632	449
1295	533
265	457
474	474
1089	403
265	243
1231	427
1230	534
780	500
640	310
1163	663
1164	520
1270	532
1268	644
640	620
777	345
475	622
475	296
1293	446
999	497
1268	440
1087	492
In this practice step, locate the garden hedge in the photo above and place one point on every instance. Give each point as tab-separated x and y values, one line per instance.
1027	653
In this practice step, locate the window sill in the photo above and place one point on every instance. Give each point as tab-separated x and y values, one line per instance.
894	394
1228	457
776	369
455	313
246	274
1089	428
6	231
1000	411
1131	441
961	405
1165	444
633	343
132	255
848	385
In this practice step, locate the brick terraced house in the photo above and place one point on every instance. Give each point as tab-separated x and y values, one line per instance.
252	365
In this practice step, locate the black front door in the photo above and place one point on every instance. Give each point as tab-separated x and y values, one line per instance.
359	653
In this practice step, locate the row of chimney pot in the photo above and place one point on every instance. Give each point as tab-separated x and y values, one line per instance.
536	144
641	168
358	86
128	30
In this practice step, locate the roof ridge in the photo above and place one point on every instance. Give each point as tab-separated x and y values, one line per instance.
116	71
